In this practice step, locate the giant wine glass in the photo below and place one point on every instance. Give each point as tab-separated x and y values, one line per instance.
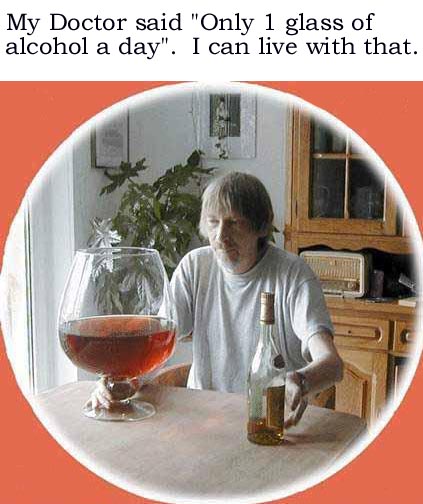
116	320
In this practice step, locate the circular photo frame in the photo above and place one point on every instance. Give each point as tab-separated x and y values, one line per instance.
336	205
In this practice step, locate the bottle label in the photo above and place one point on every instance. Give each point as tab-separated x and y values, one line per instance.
275	407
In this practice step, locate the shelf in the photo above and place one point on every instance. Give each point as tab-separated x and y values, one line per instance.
353	242
355	306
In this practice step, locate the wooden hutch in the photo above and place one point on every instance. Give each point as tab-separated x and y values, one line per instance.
337	201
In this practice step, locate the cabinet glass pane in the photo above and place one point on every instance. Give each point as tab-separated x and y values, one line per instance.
355	149
327	140
367	194
327	188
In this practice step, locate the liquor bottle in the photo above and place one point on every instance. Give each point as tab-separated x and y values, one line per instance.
266	382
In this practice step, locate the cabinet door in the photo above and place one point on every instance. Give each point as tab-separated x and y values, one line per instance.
362	391
336	189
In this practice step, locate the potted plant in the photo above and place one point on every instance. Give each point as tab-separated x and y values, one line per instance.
163	215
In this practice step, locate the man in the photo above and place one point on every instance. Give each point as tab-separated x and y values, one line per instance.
217	294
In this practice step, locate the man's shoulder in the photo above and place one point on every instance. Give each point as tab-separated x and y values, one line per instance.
284	258
199	253
290	266
197	257
195	265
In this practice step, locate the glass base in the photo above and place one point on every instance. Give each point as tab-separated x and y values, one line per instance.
121	411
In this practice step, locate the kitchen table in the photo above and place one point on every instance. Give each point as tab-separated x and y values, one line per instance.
195	448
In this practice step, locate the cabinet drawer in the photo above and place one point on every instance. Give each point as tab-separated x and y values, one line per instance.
405	336
361	332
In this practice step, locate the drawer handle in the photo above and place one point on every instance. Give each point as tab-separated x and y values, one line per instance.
407	337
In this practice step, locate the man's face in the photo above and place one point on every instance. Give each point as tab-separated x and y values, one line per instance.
233	240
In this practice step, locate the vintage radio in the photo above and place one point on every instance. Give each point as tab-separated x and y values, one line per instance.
343	274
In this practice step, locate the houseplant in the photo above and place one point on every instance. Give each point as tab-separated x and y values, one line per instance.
163	215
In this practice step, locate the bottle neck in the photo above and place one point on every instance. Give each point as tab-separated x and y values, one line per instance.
266	333
268	344
266	324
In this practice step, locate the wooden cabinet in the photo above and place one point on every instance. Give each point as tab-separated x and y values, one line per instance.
338	184
338	200
367	336
362	344
336	196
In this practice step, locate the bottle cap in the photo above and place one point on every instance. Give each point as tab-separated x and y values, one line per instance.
267	310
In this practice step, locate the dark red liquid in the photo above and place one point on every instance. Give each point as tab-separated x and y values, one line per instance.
121	346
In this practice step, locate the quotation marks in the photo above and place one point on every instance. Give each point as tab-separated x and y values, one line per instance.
194	17
165	40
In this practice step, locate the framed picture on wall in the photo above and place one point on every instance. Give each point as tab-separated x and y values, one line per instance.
110	142
226	124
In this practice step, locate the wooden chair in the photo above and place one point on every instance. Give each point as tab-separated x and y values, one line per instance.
177	376
324	399
173	376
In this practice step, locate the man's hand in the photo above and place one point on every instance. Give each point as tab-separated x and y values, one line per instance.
295	400
101	397
106	392
325	369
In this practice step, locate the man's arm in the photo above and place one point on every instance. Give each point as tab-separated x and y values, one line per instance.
181	287
326	368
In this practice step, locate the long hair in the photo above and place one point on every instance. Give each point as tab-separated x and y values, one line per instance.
241	193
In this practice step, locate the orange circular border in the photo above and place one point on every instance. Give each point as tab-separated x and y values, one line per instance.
35	118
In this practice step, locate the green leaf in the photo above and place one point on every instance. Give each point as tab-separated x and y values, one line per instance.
157	209
109	188
194	159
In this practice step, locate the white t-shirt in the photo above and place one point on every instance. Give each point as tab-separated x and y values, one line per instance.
222	310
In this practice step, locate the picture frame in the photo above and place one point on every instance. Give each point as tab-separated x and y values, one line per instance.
226	124
110	142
